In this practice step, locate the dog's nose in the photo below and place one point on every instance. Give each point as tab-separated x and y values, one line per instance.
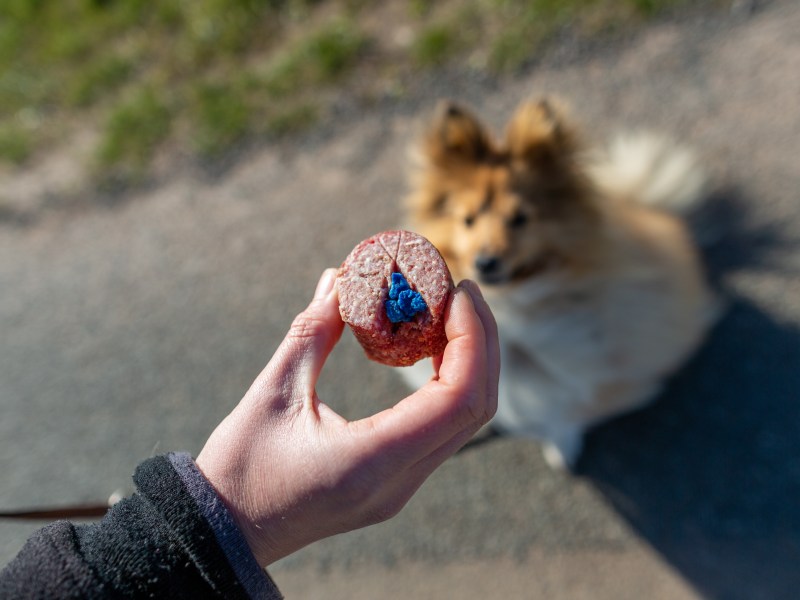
487	265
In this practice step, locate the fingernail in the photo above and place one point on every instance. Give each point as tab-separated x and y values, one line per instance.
461	295
472	287
325	284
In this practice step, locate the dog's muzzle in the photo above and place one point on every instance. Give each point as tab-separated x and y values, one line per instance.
489	269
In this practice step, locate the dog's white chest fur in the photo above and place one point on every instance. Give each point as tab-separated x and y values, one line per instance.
576	353
568	362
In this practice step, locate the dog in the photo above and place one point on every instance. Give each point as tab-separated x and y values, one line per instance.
583	256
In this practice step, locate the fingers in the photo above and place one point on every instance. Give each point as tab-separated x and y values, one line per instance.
430	462
297	363
492	342
462	398
468	368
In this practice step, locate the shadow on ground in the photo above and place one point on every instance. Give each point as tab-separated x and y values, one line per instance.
710	475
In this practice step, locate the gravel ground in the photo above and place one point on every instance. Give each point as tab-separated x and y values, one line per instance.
133	328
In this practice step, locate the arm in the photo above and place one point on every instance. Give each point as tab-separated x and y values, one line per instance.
173	539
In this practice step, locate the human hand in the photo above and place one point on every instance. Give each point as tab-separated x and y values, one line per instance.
292	471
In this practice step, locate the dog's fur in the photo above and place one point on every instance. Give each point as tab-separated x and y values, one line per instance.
592	276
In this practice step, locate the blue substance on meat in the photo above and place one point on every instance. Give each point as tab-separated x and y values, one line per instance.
403	302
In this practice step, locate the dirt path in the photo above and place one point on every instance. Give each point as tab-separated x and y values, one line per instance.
140	325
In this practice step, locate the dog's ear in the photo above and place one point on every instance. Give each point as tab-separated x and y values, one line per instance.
454	135
538	134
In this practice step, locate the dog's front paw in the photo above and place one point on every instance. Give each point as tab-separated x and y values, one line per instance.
562	450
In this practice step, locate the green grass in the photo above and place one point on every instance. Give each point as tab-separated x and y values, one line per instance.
529	25
15	144
316	59
292	119
103	76
220	118
434	44
271	100
206	74
134	130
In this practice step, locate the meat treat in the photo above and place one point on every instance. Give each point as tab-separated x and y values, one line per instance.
393	291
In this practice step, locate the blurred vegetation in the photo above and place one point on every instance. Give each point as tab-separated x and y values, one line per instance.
203	75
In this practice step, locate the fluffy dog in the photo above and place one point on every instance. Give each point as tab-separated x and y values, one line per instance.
583	257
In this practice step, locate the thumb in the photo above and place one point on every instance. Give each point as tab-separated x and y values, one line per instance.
314	332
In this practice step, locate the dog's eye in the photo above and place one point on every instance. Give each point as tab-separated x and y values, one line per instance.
518	220
439	203
469	220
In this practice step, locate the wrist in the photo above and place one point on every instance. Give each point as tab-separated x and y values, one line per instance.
257	530
230	530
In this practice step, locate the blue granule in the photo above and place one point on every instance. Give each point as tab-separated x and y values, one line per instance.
403	302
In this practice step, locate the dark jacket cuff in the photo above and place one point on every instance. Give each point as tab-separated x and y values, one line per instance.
230	539
204	526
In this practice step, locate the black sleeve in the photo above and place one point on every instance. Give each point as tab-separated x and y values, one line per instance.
156	544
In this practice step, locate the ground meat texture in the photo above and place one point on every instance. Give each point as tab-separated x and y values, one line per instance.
363	284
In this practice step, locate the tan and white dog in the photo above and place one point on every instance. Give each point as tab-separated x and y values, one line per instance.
591	273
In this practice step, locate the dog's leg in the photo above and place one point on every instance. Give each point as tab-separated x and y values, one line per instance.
563	446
